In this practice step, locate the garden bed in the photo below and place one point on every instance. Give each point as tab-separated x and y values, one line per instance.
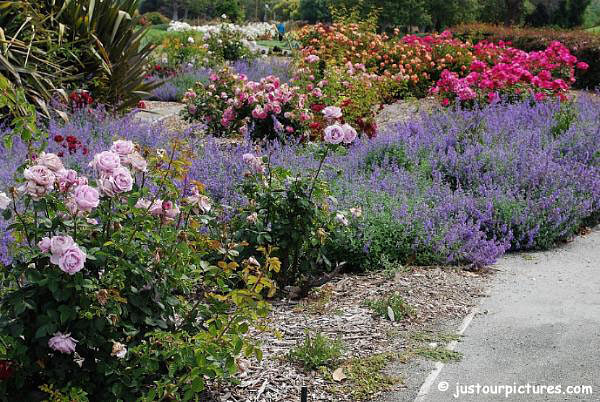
439	296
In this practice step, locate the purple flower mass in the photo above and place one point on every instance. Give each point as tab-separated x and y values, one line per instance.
452	187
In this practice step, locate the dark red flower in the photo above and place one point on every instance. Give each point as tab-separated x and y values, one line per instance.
61	154
58	138
84	151
6	369
71	139
317	107
141	105
315	125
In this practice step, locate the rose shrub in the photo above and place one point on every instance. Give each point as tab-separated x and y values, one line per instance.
230	104
292	214
122	283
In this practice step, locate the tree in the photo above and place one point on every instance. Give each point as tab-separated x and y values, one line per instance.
445	13
314	11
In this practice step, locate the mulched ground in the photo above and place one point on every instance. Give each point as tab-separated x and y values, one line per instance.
337	309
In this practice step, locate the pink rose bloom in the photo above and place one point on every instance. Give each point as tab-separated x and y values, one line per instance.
255	164
312	58
62	343
213	77
58	244
156	208
334	134
349	133
86	198
44	245
34	191
192	109
72	260
317	92
4	201
136	161
120	181
332	112
582	65
40	175
142	204
122	147
66	179
105	162
51	161
170	210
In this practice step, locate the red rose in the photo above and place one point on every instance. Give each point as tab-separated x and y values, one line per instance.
317	107
6	369
59	138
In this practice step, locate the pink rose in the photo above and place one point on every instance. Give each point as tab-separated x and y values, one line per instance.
255	164
62	343
312	58
44	245
51	161
58	244
334	134
349	133
332	112
136	161
72	260
86	198
40	175
34	191
120	181
66	179
142	204
4	201
156	208
170	210
105	162
122	147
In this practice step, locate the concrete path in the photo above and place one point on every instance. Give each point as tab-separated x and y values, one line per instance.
540	326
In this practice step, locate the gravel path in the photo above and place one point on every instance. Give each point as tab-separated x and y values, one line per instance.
540	326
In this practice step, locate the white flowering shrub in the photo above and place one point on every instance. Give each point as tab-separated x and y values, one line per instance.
251	31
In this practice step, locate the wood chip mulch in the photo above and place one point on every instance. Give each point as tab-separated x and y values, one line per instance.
337	310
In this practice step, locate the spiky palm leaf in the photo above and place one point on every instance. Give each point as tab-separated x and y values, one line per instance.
48	46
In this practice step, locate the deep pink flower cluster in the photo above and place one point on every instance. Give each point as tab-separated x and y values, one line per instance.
502	71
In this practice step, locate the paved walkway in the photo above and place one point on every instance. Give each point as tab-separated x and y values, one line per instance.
540	326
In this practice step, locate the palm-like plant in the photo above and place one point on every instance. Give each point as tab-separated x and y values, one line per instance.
50	46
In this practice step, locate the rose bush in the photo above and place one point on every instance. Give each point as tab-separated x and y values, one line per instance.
122	283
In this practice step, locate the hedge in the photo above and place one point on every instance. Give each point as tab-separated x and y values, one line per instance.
584	45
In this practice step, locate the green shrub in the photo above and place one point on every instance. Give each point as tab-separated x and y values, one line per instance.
289	214
583	45
316	350
156	18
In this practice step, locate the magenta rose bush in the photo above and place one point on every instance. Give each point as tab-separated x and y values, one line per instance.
122	283
500	72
